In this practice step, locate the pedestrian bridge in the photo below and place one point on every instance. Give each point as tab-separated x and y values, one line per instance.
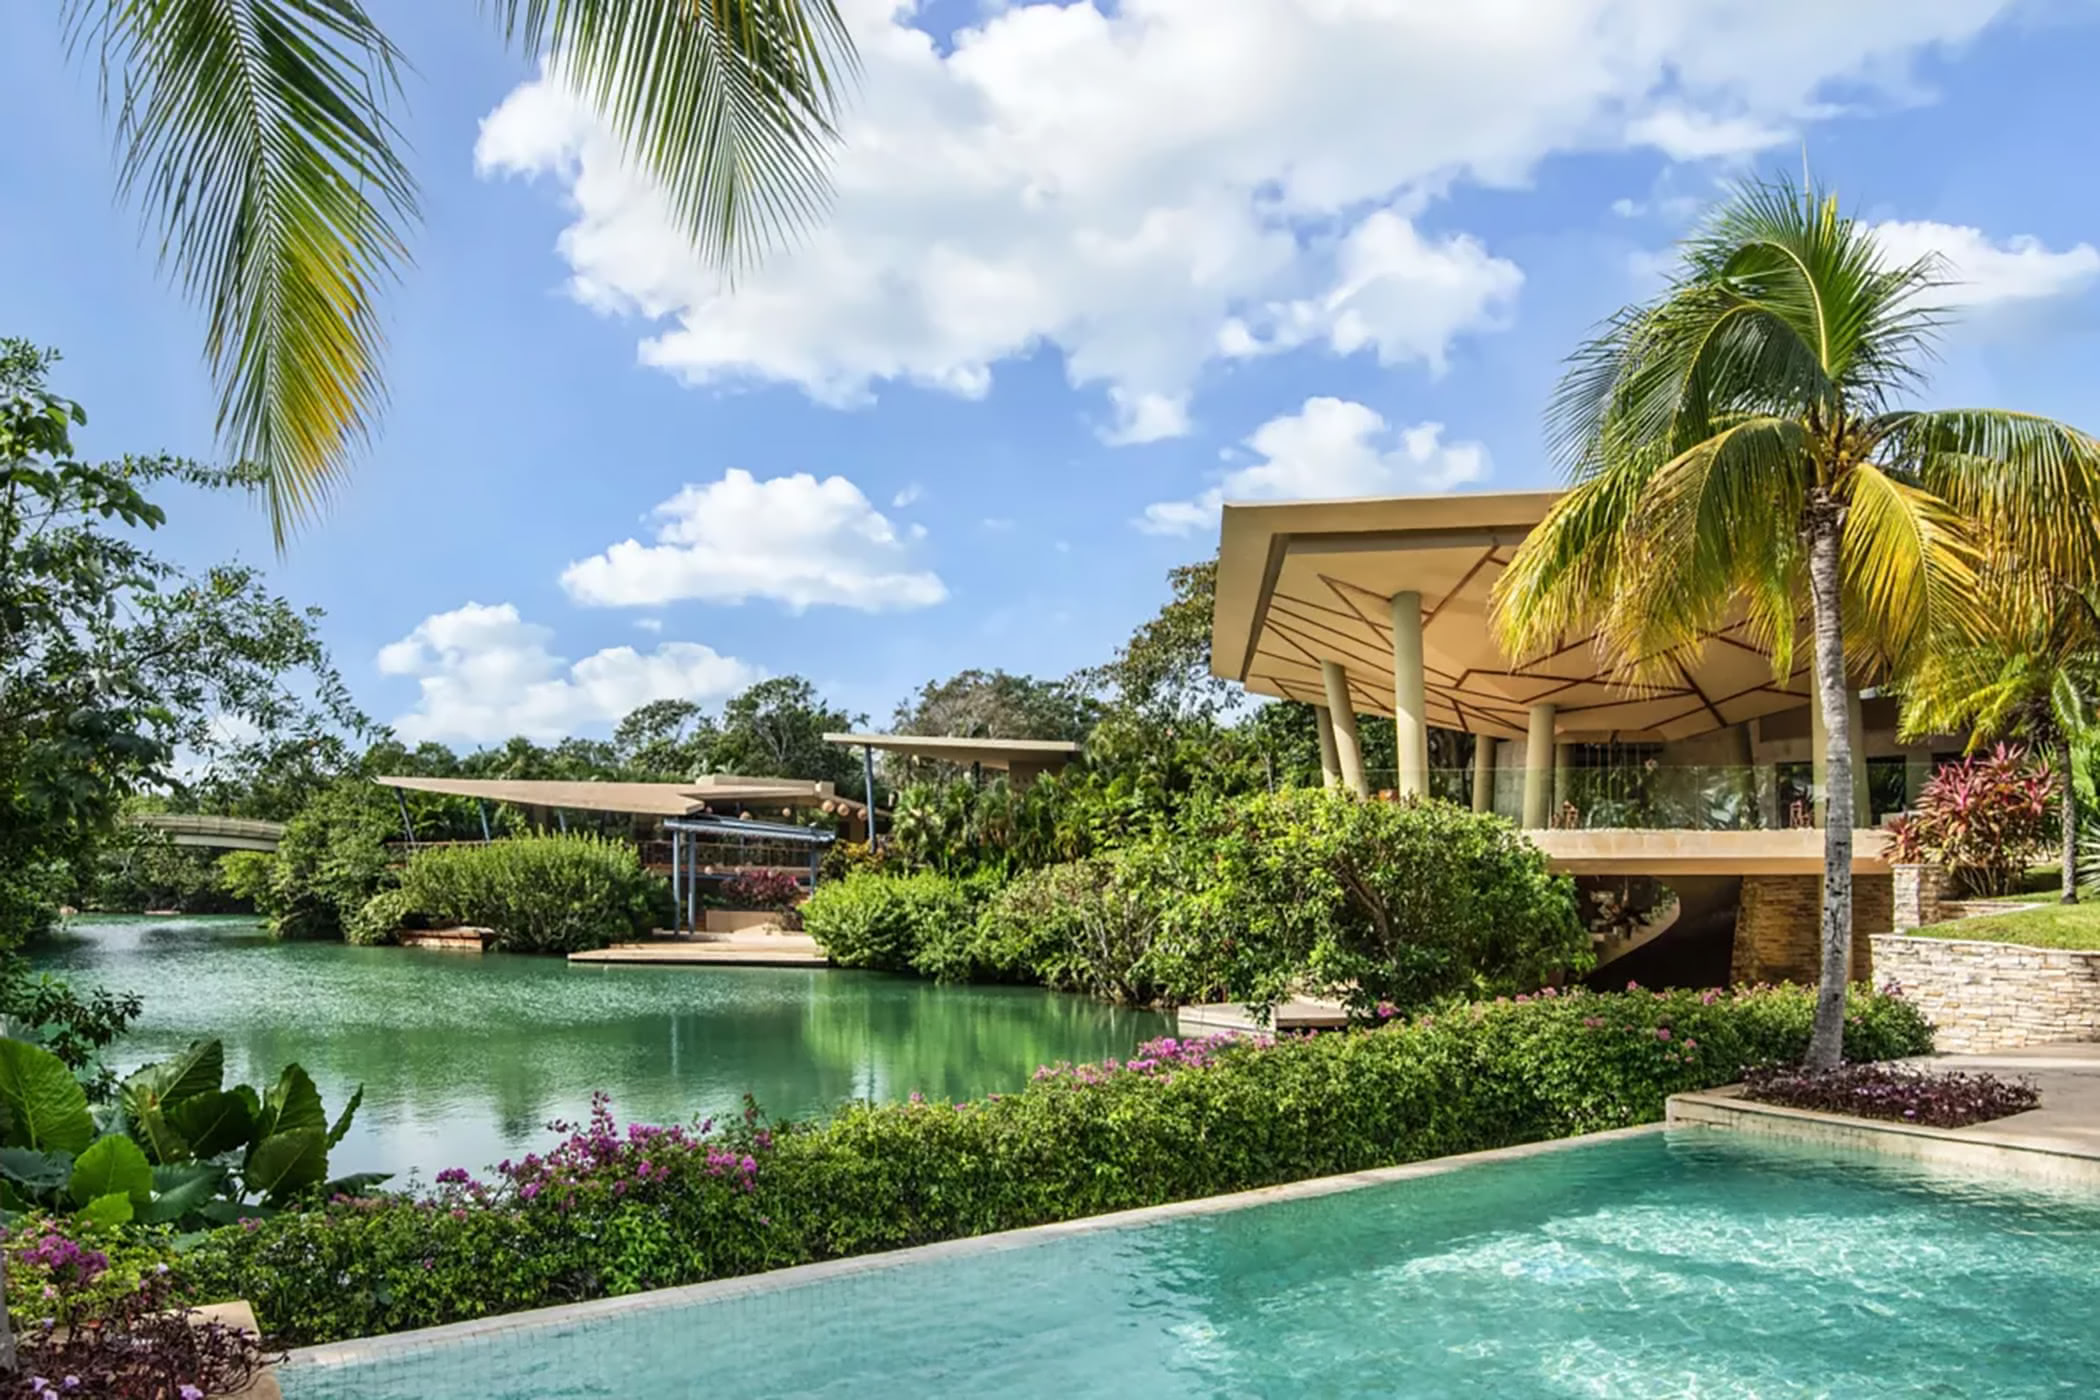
218	833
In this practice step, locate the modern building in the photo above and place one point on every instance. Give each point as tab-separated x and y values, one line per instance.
1022	760
1711	782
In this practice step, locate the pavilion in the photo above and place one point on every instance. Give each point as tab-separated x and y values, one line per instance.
1022	760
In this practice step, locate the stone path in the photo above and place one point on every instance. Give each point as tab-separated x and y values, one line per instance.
2068	1076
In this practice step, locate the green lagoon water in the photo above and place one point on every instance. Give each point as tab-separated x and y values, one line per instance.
464	1059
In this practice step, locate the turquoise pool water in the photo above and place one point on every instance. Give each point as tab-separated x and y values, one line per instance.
1693	1265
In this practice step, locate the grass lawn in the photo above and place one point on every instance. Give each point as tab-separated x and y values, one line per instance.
2047	926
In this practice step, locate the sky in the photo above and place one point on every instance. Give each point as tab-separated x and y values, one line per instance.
1089	270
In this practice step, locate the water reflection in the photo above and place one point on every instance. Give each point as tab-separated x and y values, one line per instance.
464	1058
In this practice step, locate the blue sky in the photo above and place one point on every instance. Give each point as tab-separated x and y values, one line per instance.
1090	268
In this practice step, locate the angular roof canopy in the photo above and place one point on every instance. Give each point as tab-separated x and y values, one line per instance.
1311	581
636	799
997	754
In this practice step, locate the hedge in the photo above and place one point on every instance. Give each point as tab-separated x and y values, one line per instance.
538	894
607	1213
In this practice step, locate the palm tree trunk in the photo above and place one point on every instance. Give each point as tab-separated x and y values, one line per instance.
1826	1044
2069	818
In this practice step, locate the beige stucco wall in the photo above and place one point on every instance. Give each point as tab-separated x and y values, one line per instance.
1993	996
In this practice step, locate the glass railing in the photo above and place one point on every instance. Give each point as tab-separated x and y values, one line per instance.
1660	796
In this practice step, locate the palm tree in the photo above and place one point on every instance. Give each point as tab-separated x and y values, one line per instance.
2031	672
256	137
1738	451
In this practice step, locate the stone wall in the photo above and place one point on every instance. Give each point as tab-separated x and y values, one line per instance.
1778	932
1993	996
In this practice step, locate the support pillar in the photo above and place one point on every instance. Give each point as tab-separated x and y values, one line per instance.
1330	763
1538	768
867	776
1483	772
1862	790
1410	703
1341	709
1563	761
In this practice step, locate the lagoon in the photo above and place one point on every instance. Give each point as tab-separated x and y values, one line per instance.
466	1058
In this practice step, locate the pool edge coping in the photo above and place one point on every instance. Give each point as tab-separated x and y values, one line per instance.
396	1344
1979	1147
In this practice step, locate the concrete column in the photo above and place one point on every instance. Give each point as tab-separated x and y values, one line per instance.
1917	772
1483	773
1819	755
1349	755
1410	704
1862	800
1538	767
1330	765
1563	761
1766	776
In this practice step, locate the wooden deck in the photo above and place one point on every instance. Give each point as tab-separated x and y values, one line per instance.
1297	1014
749	950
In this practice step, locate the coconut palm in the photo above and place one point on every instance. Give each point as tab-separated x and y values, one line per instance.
2031	672
1738	450
257	138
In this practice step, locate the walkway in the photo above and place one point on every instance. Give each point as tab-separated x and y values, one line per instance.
2068	1076
746	948
215	833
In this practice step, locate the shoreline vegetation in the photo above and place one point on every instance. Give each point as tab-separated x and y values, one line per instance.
610	1211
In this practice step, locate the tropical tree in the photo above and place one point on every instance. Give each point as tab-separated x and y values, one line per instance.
257	137
2030	672
1738	451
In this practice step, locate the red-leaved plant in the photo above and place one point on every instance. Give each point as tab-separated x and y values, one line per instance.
765	889
1984	819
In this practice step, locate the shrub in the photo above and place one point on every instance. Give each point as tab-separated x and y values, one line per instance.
1386	903
331	859
1128	926
773	890
537	894
1937	1100
612	1213
883	921
1984	819
382	916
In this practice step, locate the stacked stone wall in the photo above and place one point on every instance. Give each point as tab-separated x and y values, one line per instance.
1994	996
1778	931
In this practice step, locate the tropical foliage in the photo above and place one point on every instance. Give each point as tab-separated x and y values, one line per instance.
536	894
610	1212
1740	446
2029	670
1985	819
1379	904
258	137
113	660
189	1150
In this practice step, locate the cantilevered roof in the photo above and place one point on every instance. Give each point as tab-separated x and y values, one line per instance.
1311	581
998	754
639	799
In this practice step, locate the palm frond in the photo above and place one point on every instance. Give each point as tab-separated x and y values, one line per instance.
728	104
2028	484
1910	568
255	135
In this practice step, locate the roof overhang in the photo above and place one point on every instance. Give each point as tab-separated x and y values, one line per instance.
633	799
1302	583
997	754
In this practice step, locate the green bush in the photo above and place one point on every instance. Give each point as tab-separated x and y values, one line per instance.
538	894
1130	926
331	859
884	922
1384	903
1180	1120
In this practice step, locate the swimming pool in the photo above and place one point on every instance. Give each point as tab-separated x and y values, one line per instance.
1692	1263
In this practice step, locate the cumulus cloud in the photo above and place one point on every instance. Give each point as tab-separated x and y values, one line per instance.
793	539
1986	273
485	674
1151	189
1330	449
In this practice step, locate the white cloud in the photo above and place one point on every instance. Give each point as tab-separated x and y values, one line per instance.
485	674
1330	449
649	624
794	539
908	496
1984	273
1149	190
